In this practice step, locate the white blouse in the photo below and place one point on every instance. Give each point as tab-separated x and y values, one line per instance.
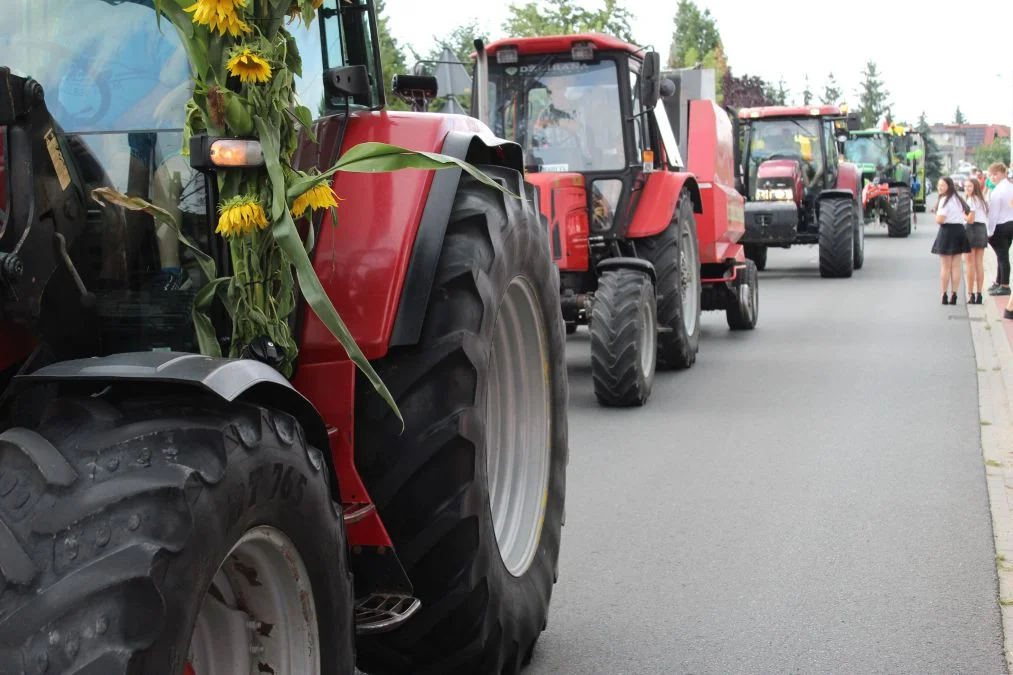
978	207
952	211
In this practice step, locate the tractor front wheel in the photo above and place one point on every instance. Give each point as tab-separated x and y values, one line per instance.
675	254
169	535
758	254
744	309
472	490
624	338
899	223
859	240
836	238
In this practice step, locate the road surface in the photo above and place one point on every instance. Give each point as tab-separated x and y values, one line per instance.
809	497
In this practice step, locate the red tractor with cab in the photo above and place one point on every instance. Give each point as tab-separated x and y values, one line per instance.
168	513
644	221
798	188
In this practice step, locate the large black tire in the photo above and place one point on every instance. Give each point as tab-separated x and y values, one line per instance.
744	310
677	347
624	330
859	239
837	232
431	483
899	224
758	254
115	516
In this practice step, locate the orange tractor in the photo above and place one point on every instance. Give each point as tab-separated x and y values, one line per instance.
635	174
167	513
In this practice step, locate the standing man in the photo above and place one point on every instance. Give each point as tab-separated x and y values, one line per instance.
1000	221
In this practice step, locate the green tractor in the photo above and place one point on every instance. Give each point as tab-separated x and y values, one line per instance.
882	157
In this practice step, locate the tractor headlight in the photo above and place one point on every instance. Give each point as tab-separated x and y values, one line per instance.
775	195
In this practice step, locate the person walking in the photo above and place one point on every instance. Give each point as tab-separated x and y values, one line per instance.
977	236
951	240
1000	222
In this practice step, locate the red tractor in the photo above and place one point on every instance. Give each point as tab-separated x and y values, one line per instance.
163	512
643	238
798	188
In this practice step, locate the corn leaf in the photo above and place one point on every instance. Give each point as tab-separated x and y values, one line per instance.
285	233
207	339
382	157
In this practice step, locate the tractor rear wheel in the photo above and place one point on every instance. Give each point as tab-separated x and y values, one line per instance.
472	491
624	338
758	254
675	254
899	223
744	309
163	535
859	234
837	233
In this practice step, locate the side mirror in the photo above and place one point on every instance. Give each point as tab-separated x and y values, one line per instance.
667	88
415	90
854	121
650	80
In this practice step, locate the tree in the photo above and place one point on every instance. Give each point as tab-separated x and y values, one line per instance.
391	57
933	158
832	93
778	96
873	96
696	40
460	41
563	17
745	91
996	151
807	95
958	117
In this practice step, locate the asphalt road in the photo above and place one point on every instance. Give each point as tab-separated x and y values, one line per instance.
809	497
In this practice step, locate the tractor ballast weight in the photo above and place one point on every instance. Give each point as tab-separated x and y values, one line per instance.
798	191
643	237
147	476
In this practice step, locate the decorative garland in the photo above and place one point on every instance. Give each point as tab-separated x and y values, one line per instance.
245	63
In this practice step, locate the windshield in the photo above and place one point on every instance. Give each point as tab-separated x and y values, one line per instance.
797	139
564	114
866	150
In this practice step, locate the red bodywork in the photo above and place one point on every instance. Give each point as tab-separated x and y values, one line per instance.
362	261
790	111
560	44
564	204
786	170
849	178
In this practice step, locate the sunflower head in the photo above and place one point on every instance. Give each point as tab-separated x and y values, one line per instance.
249	66
239	216
320	196
220	15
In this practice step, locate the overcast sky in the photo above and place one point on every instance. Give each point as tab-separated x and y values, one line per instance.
933	61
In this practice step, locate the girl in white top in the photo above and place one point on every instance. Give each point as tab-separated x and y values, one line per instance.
977	237
951	240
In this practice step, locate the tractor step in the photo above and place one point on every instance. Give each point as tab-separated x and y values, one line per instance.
381	612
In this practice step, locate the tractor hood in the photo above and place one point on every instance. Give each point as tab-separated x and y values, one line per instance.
778	168
778	175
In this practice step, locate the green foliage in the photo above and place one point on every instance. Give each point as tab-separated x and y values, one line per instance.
696	39
997	151
873	96
778	95
564	17
461	42
832	93
933	158
392	58
958	117
807	94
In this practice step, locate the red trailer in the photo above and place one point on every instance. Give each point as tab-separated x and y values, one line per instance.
644	237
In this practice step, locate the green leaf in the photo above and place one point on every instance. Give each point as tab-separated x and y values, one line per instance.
207	338
285	233
305	118
207	264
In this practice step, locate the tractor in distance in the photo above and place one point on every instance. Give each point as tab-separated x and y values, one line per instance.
798	192
881	156
643	237
168	513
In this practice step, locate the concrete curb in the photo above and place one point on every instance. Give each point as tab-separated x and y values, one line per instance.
994	357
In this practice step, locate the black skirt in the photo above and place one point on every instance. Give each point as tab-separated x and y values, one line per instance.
951	240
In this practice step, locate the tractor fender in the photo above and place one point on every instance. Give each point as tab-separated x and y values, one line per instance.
836	194
232	380
473	148
657	202
850	178
638	264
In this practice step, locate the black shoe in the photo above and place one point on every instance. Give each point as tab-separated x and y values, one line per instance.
945	301
953	298
1006	314
978	301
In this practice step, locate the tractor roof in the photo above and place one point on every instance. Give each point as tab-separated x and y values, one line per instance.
561	44
790	111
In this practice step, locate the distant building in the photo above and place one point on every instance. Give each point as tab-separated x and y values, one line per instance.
957	142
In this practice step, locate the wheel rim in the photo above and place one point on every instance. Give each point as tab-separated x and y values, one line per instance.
648	339
277	625
689	280
519	414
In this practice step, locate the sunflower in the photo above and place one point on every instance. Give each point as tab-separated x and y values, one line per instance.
295	12
239	216
249	66
320	196
220	15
